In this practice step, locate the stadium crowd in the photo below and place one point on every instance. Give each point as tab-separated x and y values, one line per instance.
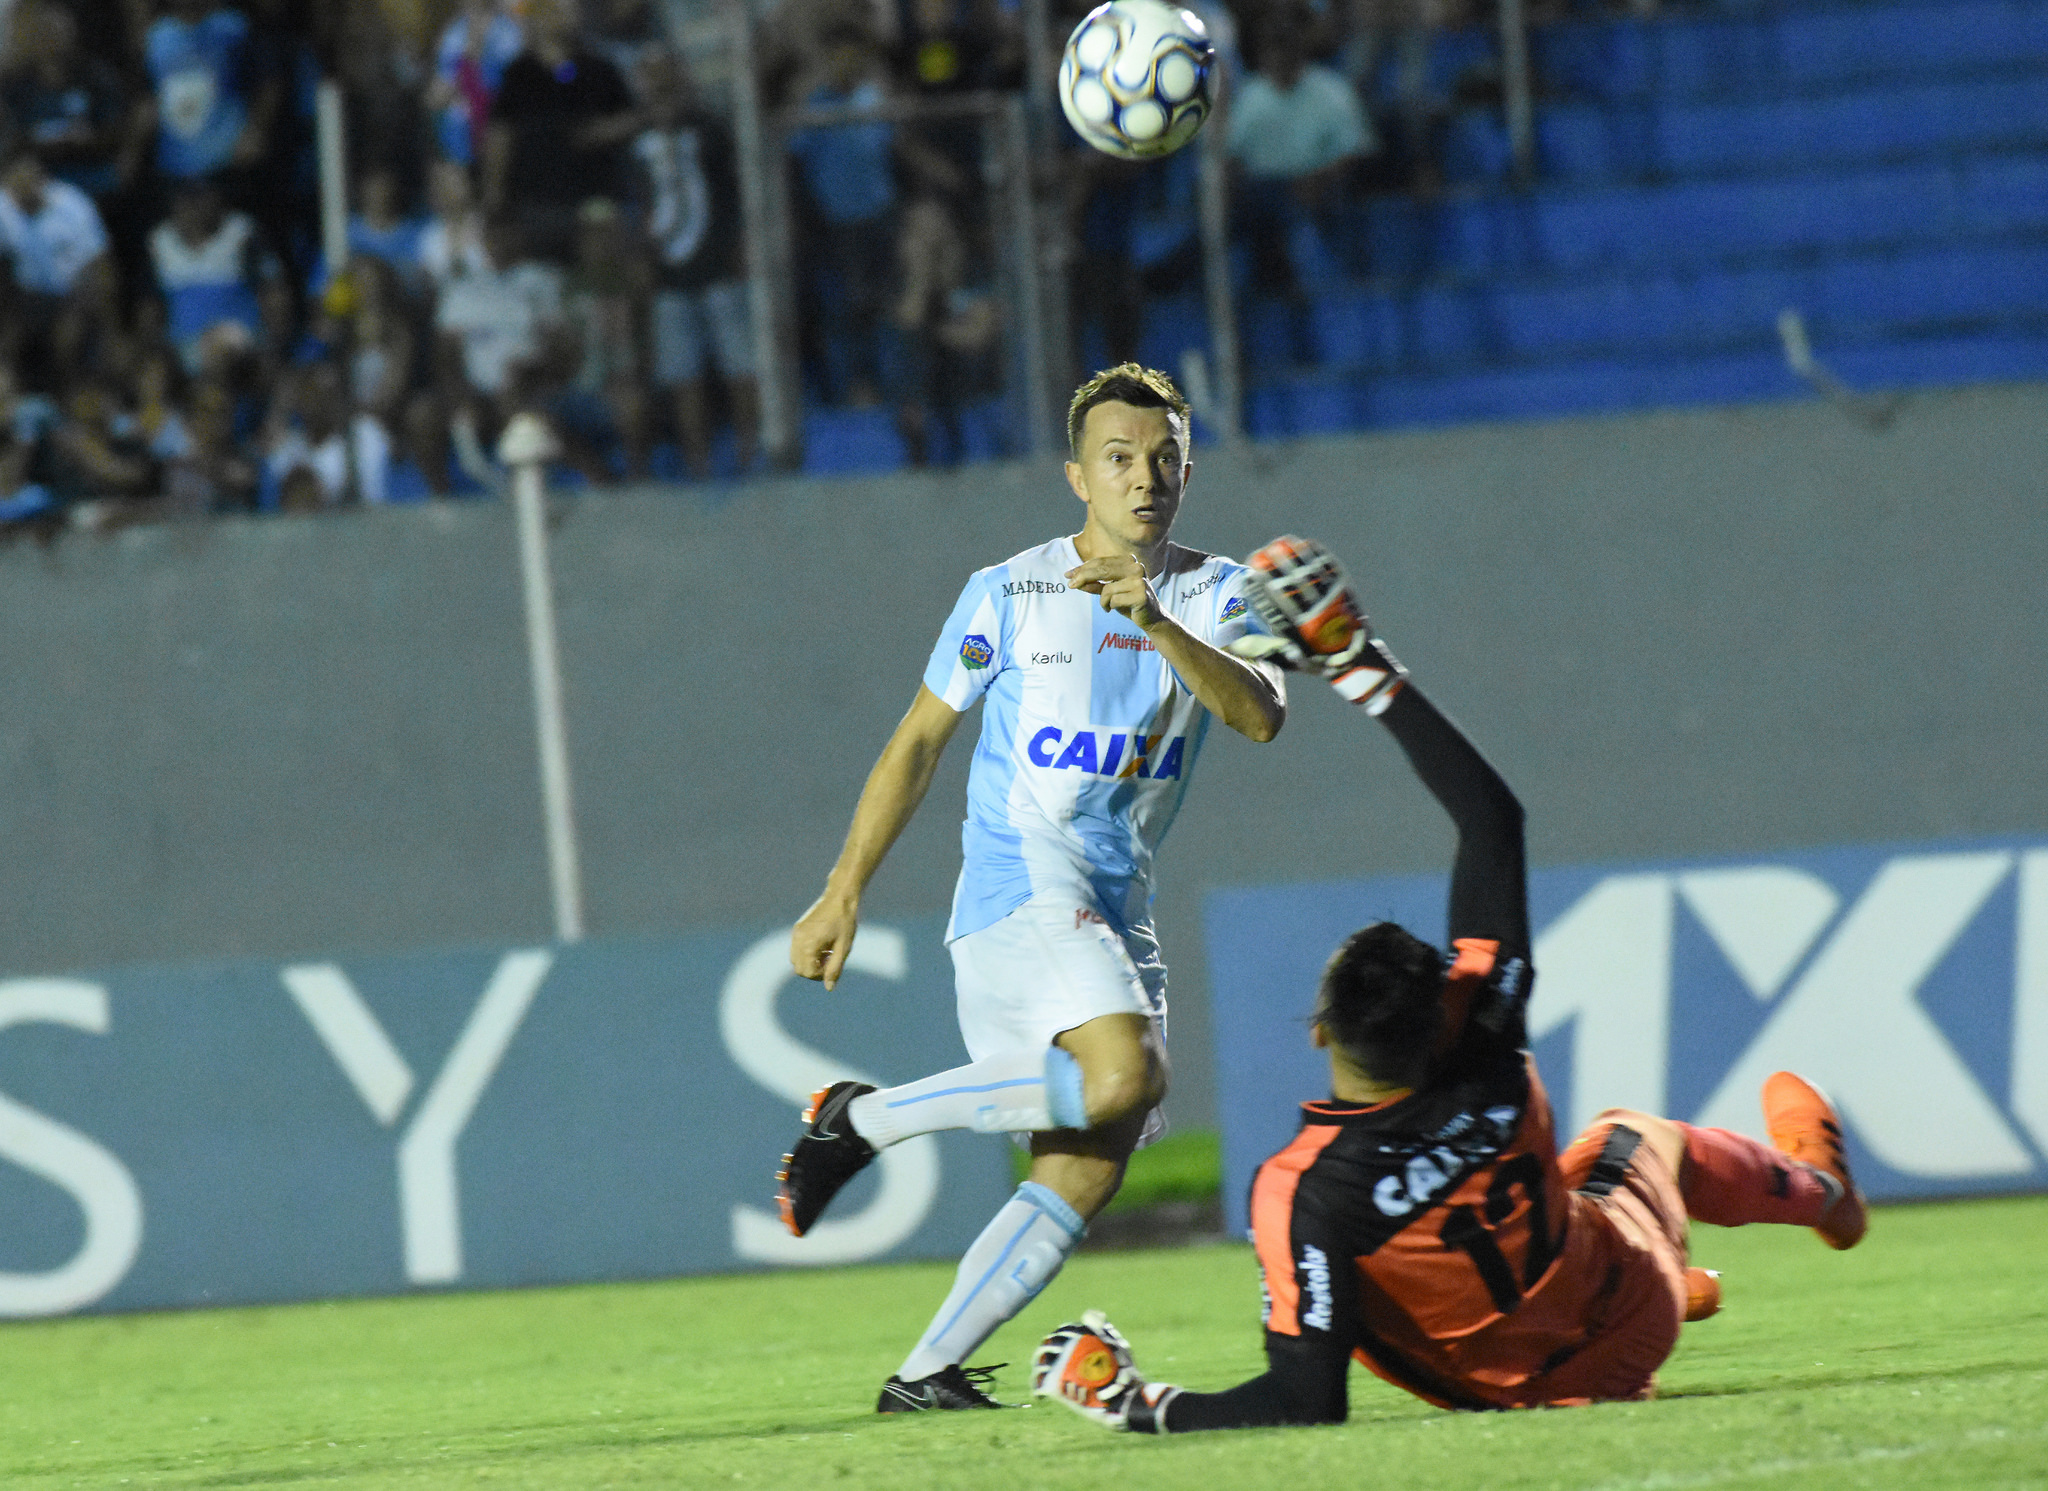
544	213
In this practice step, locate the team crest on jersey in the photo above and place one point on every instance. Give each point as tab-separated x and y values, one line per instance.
975	651
1233	608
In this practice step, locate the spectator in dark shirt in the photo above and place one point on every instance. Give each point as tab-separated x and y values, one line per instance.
623	30
71	107
849	175
212	474
941	334
700	318
389	119
559	125
948	46
99	446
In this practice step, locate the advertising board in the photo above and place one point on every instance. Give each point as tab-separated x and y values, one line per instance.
251	1130
1911	982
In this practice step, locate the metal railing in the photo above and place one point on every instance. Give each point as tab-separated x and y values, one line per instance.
1020	135
1517	96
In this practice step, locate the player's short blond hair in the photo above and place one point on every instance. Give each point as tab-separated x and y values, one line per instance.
1126	383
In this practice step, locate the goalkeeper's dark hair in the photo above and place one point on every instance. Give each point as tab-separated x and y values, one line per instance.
1381	1002
1126	383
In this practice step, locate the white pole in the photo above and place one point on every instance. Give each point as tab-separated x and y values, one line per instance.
1015	127
526	447
766	253
333	154
1226	366
331	146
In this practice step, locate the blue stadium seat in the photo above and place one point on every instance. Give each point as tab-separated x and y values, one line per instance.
841	442
1867	125
1269	333
1878	297
1796	49
989	430
1882	167
1321	406
1825	46
1476	148
1268	412
1357	329
1399	236
1940	362
1576	388
1173	324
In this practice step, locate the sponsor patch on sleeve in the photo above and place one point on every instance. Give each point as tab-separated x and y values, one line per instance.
1233	608
975	651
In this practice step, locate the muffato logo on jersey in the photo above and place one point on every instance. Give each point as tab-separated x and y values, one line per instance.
1108	753
975	651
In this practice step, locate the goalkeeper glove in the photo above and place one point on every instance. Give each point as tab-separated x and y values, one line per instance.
1314	624
1088	1367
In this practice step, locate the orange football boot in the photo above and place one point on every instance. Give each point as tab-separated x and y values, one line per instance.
1802	1124
1702	1293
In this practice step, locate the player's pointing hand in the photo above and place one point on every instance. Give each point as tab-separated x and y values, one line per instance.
1120	581
820	941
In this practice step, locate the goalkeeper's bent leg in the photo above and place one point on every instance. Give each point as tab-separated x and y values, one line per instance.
1731	1180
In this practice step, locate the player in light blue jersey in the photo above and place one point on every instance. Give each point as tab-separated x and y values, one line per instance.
1098	660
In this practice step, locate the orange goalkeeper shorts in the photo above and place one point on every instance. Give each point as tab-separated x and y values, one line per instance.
1629	1191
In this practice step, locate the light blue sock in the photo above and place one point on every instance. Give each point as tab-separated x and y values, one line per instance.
1013	1092
1016	1255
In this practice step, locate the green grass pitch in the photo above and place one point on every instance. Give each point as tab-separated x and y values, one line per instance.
1919	1360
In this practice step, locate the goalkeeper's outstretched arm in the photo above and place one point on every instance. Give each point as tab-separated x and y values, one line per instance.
1489	876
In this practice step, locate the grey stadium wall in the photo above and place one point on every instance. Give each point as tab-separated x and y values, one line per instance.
1694	633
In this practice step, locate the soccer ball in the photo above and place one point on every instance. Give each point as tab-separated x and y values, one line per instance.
1139	77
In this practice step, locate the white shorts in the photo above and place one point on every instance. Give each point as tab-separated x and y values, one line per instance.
1047	967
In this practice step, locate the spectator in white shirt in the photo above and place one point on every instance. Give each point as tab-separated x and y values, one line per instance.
214	270
1296	130
497	320
452	242
498	328
305	433
57	290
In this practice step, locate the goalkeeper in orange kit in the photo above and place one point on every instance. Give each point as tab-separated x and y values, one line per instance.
1422	1221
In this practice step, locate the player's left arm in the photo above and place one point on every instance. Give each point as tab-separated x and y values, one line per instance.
1246	696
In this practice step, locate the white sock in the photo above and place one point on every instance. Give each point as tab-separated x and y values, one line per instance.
1016	1255
1014	1092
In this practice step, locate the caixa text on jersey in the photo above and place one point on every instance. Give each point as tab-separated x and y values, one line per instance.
1108	753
